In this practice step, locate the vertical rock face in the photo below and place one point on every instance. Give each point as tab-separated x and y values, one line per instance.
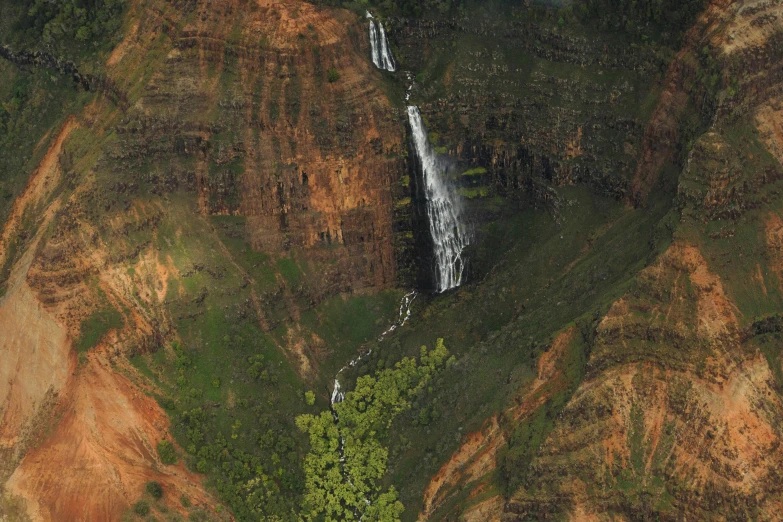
680	411
268	112
271	111
529	103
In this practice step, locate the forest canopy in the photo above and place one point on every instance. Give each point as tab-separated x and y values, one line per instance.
52	24
347	459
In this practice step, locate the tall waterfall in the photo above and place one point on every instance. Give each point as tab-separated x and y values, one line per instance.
449	234
386	55
376	55
379	43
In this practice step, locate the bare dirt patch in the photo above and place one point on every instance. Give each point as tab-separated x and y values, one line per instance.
489	510
106	440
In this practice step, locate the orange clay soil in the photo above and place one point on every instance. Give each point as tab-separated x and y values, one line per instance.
42	181
102	452
97	431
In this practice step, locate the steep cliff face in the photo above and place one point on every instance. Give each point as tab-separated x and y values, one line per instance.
240	103
531	102
233	127
213	232
679	413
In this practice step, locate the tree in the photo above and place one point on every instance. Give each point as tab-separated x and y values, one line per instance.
347	459
142	508
166	452
154	489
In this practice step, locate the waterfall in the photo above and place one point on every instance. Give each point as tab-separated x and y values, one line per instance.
379	45
449	235
386	56
337	393
376	55
404	313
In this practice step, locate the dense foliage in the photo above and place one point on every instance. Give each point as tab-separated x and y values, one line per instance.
347	459
256	460
51	23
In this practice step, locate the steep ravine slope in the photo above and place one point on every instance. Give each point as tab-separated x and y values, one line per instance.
221	232
112	248
679	413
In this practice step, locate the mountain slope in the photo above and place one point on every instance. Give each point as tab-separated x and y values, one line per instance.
209	217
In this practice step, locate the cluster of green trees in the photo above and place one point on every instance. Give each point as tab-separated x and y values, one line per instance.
51	22
347	458
19	95
256	464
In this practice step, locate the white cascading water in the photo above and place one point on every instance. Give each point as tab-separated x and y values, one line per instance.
449	234
379	44
376	55
404	314
386	55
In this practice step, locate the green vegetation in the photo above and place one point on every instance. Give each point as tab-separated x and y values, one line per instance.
245	320
154	489
473	192
528	435
166	452
666	19
98	324
66	25
13	507
477	171
350	490
32	103
142	508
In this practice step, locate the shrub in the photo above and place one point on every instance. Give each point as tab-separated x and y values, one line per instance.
141	508
155	489
166	452
333	75
309	398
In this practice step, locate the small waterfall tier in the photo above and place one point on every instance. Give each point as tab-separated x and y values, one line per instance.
449	235
379	44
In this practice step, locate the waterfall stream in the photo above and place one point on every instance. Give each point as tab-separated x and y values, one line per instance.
449	234
338	394
386	55
380	48
403	316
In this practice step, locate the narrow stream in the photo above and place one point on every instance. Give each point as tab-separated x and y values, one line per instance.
443	205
